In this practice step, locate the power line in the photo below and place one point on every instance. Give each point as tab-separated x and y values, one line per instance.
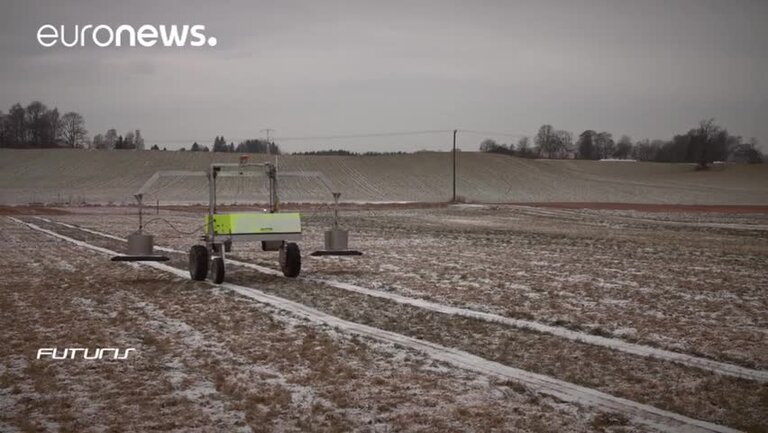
360	135
505	134
364	135
320	137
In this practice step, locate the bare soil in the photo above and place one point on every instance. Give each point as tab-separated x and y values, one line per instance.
211	361
690	282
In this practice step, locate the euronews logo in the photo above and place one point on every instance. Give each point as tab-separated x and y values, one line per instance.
147	35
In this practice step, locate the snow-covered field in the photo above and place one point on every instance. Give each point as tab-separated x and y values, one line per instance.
100	177
457	318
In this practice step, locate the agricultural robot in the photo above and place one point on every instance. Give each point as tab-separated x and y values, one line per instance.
276	231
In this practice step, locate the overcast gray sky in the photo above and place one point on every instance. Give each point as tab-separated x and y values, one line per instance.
647	69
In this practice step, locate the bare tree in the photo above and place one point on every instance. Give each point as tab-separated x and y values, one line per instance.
753	153
546	140
623	148
129	141
586	145
52	128
604	144
524	146
707	143
563	144
73	129
110	139
138	140
17	126
98	142
37	127
646	150
3	129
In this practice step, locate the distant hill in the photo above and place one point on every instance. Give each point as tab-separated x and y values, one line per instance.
61	175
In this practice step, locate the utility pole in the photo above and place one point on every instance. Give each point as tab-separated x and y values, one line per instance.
454	165
269	144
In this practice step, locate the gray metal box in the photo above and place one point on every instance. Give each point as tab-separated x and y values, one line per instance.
336	240
140	244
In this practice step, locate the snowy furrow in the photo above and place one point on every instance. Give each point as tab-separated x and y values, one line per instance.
612	343
565	391
575	214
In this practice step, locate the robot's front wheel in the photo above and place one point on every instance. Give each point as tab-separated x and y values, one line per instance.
217	270
290	260
198	262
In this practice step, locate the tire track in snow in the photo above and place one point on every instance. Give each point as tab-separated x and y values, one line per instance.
564	391
558	331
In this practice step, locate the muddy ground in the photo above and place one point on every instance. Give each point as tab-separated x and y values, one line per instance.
691	282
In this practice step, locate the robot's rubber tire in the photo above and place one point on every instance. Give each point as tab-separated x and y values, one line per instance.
217	270
290	260
198	262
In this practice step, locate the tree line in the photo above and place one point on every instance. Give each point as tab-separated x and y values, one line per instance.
112	141
702	145
252	145
37	126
